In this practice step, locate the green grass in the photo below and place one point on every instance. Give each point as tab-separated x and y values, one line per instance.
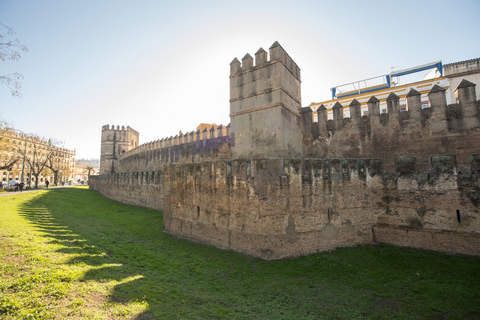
72	254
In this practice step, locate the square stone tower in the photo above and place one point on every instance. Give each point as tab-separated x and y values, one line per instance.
265	103
115	142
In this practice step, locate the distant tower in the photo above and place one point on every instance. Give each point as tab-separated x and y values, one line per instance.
265	105
115	142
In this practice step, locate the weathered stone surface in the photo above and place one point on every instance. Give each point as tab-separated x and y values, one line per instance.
406	178
265	107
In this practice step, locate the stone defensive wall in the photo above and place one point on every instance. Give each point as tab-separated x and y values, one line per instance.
407	178
207	136
154	155
138	179
462	68
273	208
417	132
115	141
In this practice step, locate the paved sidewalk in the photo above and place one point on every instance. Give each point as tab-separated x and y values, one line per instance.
10	193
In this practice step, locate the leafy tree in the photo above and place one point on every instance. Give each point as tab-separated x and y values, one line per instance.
10	50
90	169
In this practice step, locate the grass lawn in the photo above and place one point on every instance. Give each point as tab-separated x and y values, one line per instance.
72	254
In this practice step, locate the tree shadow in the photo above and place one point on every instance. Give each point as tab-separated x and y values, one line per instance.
125	244
97	241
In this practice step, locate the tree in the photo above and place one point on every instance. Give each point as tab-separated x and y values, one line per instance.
65	172
8	157
57	162
10	50
54	166
37	153
90	169
19	151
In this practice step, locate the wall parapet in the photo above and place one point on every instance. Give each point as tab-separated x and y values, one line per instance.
461	68
438	117
118	128
180	139
277	53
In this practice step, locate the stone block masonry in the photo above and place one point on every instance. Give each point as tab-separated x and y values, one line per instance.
115	142
265	105
276	185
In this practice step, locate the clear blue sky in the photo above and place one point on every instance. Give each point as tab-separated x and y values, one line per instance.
163	66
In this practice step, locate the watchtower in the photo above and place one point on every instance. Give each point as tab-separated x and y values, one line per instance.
115	142
265	105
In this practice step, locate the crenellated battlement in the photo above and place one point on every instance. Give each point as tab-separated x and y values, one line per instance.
401	166
277	54
462	68
180	139
437	112
116	140
265	103
107	127
417	129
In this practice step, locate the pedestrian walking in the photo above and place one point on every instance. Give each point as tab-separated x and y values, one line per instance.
47	183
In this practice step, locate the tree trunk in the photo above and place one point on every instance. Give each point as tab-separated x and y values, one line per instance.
55	176
36	180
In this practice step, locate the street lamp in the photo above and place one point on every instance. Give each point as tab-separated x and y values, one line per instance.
24	151
29	175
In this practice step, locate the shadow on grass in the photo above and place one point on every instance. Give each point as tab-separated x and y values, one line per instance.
125	244
180	279
95	232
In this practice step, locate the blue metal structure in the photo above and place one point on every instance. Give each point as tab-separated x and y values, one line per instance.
387	83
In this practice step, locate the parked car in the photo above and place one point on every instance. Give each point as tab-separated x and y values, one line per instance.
13	183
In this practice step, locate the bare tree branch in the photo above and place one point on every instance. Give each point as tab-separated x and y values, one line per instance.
11	49
12	81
